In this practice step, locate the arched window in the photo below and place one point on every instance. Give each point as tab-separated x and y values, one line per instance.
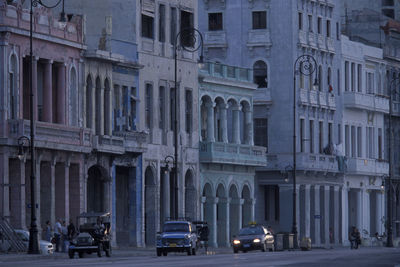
107	108
73	101
13	76
260	74
89	103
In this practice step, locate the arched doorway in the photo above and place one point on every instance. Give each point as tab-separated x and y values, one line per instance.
150	207
221	216
246	213
234	211
208	212
96	189
190	196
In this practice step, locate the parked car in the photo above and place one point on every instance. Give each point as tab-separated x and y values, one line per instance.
45	247
94	235
253	237
177	236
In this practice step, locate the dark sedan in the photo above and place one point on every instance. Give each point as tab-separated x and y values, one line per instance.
253	237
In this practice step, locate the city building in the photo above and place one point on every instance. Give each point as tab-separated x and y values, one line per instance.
228	156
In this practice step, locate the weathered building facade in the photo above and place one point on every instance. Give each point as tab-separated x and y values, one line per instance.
228	156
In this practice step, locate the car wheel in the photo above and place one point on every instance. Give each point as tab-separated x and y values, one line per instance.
71	254
159	252
100	248
165	253
235	250
80	254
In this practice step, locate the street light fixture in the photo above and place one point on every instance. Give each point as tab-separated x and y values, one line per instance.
305	65
191	40
389	242
33	231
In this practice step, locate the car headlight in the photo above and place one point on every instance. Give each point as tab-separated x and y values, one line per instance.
257	240
236	242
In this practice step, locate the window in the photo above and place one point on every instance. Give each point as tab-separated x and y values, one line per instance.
173	25
359	79
116	105
370	142
337	31
147	26
161	102
370	83
302	131
310	25
261	132
347	140
311	136
132	115
188	111
328	28
346	76
259	20
353	141
260	74
161	23
215	22
353	76
271	202
329	79
339	139
320	83
300	21
330	128
319	26
172	108
359	142
301	76
338	81
148	105
13	74
187	21
380	145
321	137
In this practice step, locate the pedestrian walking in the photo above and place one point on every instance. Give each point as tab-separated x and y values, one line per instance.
64	239
71	230
48	234
57	234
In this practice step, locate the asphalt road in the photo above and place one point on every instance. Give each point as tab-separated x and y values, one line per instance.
335	257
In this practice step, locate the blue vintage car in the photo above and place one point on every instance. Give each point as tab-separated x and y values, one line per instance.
177	236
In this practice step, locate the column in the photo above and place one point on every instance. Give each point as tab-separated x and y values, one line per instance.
66	180
210	122
213	231
286	207
248	122
224	122
202	207
345	216
240	212
317	211
236	125
53	191
114	204
379	212
252	209
326	214
360	196
37	193
61	93
5	183
307	211
336	215
366	218
101	110
48	92
166	194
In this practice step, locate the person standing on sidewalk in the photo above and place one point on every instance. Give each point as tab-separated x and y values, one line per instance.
48	235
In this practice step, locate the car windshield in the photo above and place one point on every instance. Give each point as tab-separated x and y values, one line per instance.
22	236
251	231
176	227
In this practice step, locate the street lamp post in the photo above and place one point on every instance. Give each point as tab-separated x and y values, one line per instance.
33	231
305	65
389	242
191	41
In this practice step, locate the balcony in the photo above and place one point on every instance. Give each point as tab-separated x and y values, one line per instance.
396	108
303	37
259	38
134	141
321	42
215	39
357	100
313	97
312	39
224	153
227	72
53	136
367	166
331	102
304	162
330	44
322	99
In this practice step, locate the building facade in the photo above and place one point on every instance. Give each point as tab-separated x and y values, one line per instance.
228	156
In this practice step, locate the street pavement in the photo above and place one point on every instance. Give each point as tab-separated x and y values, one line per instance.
338	257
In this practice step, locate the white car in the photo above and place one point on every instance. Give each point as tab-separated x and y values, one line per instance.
45	247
